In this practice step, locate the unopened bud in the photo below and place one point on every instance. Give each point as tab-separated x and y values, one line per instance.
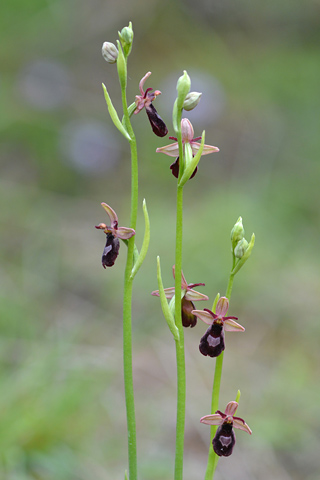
183	87
237	233
191	100
109	52
241	248
126	35
126	38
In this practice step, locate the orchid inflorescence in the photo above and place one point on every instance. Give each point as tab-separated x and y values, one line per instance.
177	302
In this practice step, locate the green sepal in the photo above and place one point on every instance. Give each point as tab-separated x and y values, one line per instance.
113	114
165	307
245	256
137	262
189	169
122	68
125	475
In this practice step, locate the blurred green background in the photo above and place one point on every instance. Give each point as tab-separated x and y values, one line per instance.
61	385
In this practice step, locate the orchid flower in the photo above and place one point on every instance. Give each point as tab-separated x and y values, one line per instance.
187	133
145	101
212	343
225	439
113	232
188	297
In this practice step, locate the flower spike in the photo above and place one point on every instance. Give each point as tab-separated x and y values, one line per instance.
225	439
145	101
212	343
113	232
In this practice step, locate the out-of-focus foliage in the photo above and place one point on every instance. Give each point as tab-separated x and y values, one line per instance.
61	394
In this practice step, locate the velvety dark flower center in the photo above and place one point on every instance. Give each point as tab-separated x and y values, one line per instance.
110	251
224	440
212	342
175	169
157	124
188	319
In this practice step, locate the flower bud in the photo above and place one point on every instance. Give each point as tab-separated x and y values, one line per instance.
126	38
109	52
126	35
183	87
237	233
241	248
191	100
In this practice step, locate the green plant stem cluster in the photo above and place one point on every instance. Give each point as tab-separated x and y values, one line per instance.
241	250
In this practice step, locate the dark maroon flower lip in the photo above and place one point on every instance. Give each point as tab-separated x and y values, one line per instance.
156	122
110	251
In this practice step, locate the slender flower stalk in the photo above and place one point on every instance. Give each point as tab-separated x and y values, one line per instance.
212	456
119	55
180	351
241	250
127	292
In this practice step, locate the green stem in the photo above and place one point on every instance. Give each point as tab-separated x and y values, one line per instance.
180	355
127	302
212	456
